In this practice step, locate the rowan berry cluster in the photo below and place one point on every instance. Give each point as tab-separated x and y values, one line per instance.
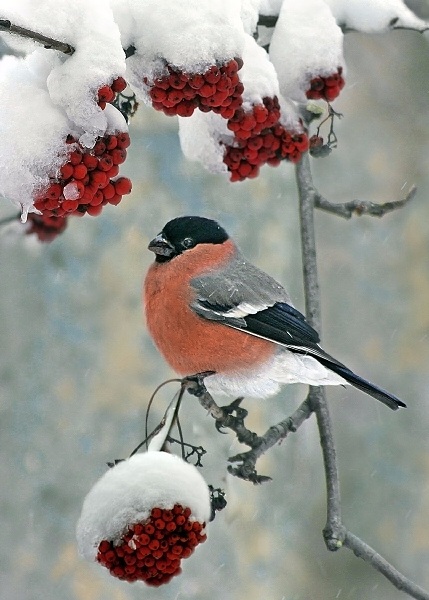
86	181
152	551
326	88
45	227
218	89
259	138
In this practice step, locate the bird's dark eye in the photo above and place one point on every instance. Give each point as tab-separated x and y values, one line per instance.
188	243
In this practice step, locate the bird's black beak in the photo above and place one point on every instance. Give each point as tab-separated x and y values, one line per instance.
161	246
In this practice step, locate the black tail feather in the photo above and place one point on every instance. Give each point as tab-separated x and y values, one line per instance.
366	386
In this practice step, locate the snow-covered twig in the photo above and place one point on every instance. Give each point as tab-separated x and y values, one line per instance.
46	42
271	20
335	533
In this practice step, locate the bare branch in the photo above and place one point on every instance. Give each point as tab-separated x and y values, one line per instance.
46	42
335	533
362	207
369	555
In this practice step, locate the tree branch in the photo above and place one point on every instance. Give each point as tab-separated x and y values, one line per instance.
232	417
361	207
335	533
46	42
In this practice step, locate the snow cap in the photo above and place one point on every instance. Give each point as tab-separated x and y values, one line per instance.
306	43
127	493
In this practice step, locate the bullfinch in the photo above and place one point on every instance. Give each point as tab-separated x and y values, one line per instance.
209	309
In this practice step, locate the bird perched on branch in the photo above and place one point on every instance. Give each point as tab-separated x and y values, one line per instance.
209	309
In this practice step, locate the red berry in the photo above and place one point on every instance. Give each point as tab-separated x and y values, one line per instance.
118	156
90	161
196	82
105	163
79	171
99	148
111	142
212	75
122	186
94	210
115	200
54	191
106	94
66	171
123	140
158	94
119	84
108	191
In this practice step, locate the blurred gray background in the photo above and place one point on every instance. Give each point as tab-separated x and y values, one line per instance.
77	367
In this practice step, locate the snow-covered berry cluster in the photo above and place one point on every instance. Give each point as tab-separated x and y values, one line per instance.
152	550
326	88
88	180
144	516
218	89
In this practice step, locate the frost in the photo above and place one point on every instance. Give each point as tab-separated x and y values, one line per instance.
306	43
71	191
374	15
126	494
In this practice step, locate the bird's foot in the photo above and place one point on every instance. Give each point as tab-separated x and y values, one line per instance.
234	409
195	383
247	469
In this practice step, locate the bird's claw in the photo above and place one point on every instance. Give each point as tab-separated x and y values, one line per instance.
195	383
230	409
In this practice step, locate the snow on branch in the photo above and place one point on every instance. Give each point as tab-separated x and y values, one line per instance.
47	42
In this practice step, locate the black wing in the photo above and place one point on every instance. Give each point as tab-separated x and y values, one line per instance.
284	325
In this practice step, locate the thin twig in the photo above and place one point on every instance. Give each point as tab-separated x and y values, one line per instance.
335	533
47	42
362	207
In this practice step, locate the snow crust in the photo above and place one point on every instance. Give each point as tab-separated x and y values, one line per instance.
373	15
201	138
306	43
98	58
32	129
257	74
127	493
190	36
271	7
250	10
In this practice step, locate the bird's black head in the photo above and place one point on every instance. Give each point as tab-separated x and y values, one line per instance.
184	233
